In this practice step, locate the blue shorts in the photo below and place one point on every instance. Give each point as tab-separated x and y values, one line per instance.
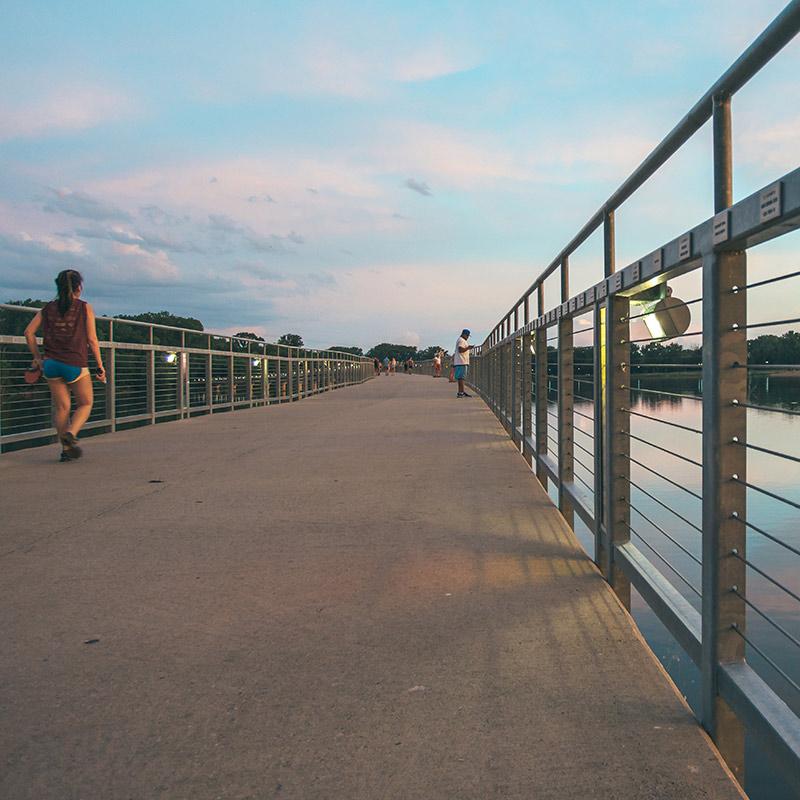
460	372
56	370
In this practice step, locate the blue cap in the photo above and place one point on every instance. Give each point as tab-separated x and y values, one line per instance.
465	332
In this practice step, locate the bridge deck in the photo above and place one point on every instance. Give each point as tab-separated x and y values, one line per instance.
361	595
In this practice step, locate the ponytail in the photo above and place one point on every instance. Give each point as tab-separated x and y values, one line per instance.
68	282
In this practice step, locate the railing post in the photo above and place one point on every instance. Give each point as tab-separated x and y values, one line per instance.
724	461
209	377
231	374
151	385
111	378
527	411
598	388
616	425
515	388
540	356
566	466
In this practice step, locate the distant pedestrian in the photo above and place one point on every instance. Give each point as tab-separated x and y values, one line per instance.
437	365
461	362
386	364
393	365
69	333
376	364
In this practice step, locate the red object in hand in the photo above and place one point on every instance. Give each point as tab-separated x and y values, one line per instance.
32	374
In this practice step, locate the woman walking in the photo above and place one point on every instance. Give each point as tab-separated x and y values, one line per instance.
69	331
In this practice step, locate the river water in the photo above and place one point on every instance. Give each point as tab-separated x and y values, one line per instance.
654	500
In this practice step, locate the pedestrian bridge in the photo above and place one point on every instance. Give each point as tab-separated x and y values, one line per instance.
385	591
363	594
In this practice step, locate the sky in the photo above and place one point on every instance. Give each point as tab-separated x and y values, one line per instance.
359	172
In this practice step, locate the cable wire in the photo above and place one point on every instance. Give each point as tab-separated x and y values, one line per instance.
764	533
777	626
663	449
668	508
664	533
768	577
664	477
664	421
677	572
769	661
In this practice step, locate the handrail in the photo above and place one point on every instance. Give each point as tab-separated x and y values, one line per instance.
194	331
773	39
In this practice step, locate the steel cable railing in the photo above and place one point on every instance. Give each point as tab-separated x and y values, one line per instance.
669	424
159	373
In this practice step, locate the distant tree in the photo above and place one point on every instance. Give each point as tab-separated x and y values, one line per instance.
429	352
13	323
165	318
399	351
356	351
249	335
291	340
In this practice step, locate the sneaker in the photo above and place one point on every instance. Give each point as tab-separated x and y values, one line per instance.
70	445
460	394
64	457
465	394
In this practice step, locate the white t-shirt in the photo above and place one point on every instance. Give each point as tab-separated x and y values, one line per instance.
460	358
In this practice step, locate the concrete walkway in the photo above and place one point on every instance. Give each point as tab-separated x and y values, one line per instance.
361	595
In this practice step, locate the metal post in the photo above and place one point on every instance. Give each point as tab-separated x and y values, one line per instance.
525	364
598	394
151	382
566	465
616	424
540	355
209	378
249	376
724	461
513	350
111	378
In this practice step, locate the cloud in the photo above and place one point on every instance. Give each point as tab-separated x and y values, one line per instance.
33	262
61	109
271	243
431	62
418	186
81	204
146	240
157	216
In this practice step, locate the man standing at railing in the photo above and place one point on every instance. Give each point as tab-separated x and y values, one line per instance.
461	361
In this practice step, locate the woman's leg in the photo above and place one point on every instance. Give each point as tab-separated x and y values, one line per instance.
61	404
83	393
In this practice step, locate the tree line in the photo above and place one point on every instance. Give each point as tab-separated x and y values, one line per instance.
764	349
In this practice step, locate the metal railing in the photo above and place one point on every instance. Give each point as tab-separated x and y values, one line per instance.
157	373
666	500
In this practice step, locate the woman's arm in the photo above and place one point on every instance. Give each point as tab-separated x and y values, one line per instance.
91	335
30	338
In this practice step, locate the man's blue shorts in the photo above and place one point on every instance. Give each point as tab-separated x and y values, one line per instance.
460	372
53	370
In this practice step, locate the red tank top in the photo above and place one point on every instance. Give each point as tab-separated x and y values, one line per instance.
65	338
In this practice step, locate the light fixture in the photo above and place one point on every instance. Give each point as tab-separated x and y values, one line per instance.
170	358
